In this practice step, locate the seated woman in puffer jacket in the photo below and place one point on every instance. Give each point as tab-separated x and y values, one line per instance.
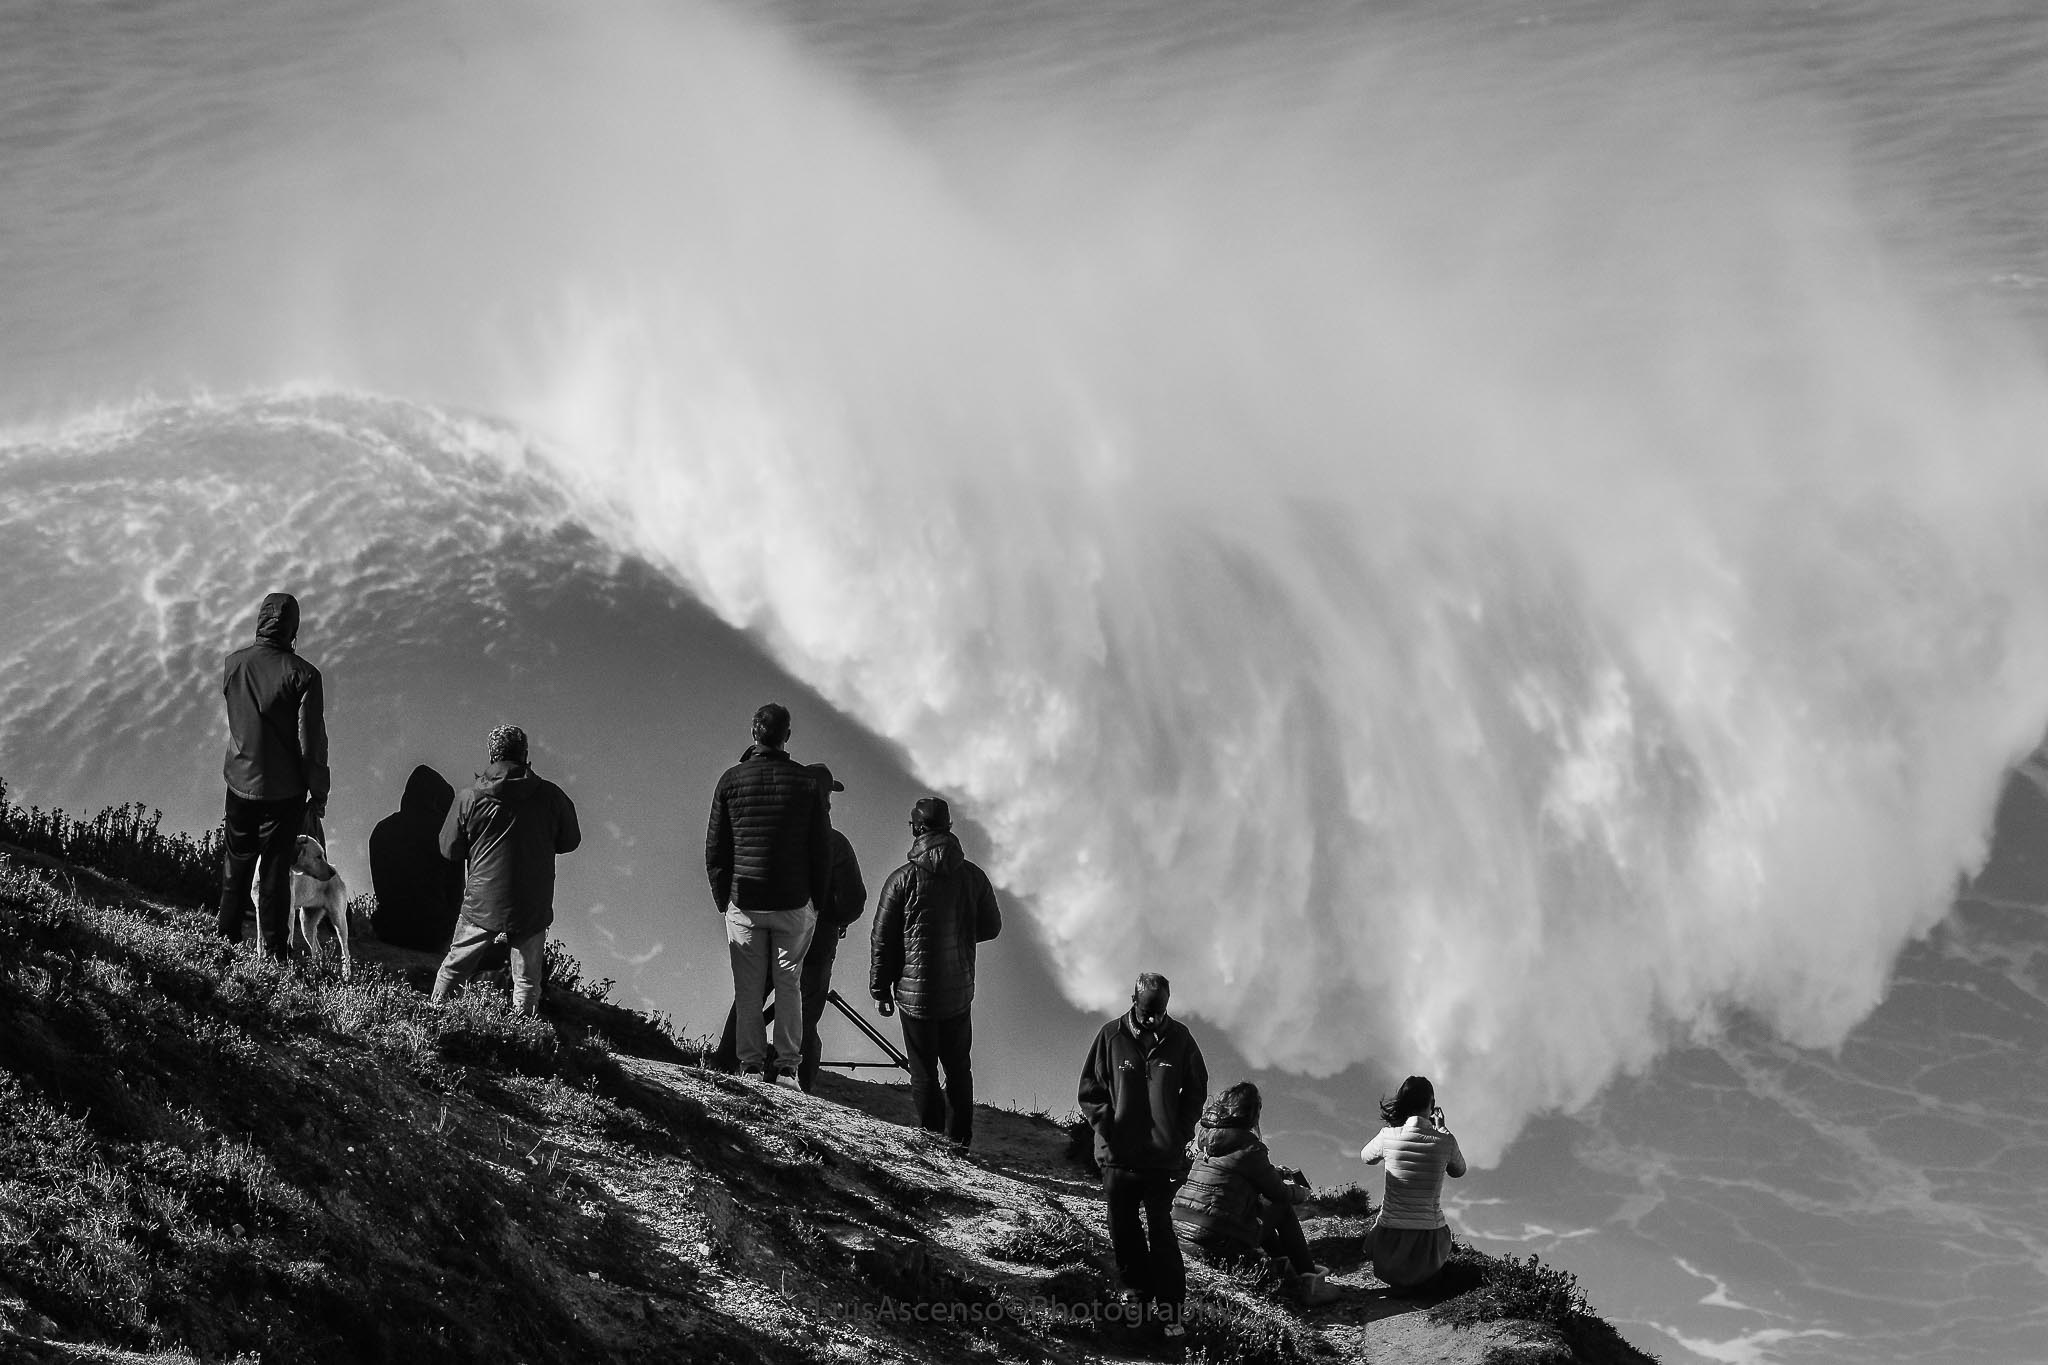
1410	1241
1236	1202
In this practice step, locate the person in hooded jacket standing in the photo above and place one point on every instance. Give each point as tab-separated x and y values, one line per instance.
508	829
276	772
932	912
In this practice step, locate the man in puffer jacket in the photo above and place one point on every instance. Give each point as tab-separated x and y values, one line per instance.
768	853
507	829
276	771
1236	1202
932	912
1142	1089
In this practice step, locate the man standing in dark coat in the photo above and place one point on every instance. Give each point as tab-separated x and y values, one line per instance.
1143	1086
276	772
932	912
508	828
843	905
768	853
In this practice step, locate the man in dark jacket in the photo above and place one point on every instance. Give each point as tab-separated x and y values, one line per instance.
419	892
276	771
842	906
1142	1090
508	828
932	912
768	853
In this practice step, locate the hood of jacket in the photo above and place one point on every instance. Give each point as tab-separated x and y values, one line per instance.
427	795
936	853
277	620
1214	1141
508	782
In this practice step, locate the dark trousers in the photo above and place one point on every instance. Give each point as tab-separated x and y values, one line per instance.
1141	1234
817	984
817	979
1283	1236
933	1045
261	838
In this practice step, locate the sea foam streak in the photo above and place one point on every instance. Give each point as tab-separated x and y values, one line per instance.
1458	570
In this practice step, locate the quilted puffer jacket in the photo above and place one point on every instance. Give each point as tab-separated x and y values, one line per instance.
768	845
1218	1203
932	912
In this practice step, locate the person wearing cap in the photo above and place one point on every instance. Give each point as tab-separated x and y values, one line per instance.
768	854
842	906
1143	1085
932	913
507	830
276	772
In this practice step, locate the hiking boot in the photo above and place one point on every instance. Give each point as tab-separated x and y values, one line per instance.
1314	1289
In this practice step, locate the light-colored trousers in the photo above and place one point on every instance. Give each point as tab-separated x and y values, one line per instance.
471	947
769	945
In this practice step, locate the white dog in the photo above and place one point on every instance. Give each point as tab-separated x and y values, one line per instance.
318	893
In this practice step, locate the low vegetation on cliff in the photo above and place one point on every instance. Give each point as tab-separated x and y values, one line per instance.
207	1156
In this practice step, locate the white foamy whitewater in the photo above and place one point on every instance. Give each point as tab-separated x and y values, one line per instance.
1476	550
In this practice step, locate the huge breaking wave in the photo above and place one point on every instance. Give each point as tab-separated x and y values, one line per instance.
1452	572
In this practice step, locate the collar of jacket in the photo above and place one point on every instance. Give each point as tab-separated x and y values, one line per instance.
1222	1141
1156	1035
757	753
505	778
935	851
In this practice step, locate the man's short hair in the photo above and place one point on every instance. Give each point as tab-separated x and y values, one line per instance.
771	724
1152	983
507	744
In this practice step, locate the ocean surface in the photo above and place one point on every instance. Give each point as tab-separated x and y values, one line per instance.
1507	541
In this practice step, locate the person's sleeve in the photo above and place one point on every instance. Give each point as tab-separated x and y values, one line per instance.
1454	1167
1266	1179
1372	1154
1194	1091
821	856
988	916
454	837
849	892
313	738
1095	1096
885	940
718	849
568	834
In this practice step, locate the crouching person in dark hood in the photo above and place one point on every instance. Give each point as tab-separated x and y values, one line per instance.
508	829
1236	1203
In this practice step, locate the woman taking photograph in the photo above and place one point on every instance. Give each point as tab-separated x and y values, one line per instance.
1410	1241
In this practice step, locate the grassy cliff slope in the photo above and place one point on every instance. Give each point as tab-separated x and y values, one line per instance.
206	1156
